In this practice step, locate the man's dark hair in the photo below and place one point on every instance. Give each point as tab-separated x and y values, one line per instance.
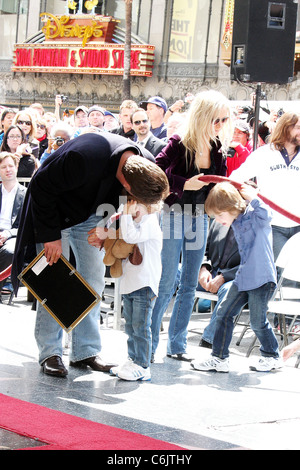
148	182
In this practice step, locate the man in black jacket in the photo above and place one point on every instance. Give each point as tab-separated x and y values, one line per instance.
76	188
125	129
12	195
141	126
217	272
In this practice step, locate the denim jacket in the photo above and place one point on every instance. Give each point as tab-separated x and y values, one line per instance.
253	233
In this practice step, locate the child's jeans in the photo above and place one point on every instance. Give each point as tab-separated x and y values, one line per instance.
258	305
137	308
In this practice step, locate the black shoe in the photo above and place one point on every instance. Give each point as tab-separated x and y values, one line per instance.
95	363
54	366
181	357
205	344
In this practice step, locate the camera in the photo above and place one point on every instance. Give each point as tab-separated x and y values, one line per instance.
64	98
230	152
59	141
280	112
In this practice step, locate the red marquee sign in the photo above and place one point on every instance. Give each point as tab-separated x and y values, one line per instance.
78	45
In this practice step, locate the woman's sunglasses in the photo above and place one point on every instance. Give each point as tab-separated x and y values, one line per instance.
222	120
28	123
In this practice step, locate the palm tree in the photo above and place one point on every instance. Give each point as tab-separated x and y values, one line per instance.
127	50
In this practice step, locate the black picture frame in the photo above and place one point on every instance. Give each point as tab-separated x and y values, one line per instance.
60	289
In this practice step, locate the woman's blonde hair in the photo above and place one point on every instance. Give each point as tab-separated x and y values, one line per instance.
224	197
198	133
30	114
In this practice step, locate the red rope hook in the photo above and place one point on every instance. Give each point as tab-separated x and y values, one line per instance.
6	273
238	185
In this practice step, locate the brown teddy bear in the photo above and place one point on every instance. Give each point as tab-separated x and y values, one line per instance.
117	249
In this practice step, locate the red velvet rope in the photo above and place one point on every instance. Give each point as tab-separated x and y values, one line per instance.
237	185
6	273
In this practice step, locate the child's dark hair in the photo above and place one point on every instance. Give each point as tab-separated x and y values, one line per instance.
224	197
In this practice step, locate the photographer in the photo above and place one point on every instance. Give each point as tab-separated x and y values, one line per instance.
240	146
60	134
59	100
265	128
15	142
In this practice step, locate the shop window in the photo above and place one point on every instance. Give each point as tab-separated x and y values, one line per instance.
194	34
13	25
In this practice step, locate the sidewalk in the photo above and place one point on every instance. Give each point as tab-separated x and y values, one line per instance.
196	410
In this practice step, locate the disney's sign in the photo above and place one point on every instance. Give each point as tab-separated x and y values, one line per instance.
81	44
83	27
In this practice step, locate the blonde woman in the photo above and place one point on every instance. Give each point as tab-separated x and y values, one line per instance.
199	150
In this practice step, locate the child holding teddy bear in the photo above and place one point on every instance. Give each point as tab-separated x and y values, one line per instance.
139	283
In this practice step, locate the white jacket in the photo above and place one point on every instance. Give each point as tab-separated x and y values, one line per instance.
148	236
276	181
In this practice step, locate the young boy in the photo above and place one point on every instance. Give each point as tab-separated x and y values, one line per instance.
255	279
139	285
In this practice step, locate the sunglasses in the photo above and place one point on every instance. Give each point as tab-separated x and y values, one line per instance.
218	120
41	126
15	137
137	123
28	123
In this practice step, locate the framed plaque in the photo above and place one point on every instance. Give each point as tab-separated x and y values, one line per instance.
60	289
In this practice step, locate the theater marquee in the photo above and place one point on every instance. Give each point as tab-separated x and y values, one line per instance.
81	44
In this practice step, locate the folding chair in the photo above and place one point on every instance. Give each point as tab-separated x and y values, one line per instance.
199	294
286	298
213	300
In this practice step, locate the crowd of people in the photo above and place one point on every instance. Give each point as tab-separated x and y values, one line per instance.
154	155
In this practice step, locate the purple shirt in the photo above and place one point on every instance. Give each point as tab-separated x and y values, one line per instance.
172	159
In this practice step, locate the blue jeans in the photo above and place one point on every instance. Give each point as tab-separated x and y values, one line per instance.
209	331
185	236
258	305
137	309
281	235
86	340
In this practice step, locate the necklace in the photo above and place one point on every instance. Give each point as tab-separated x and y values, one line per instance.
293	153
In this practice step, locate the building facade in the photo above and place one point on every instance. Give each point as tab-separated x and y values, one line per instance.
189	39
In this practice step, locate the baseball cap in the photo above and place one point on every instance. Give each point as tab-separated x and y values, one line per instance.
80	108
96	108
108	113
242	126
155	100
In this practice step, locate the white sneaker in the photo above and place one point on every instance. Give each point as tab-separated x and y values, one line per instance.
115	370
266	364
214	363
133	371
